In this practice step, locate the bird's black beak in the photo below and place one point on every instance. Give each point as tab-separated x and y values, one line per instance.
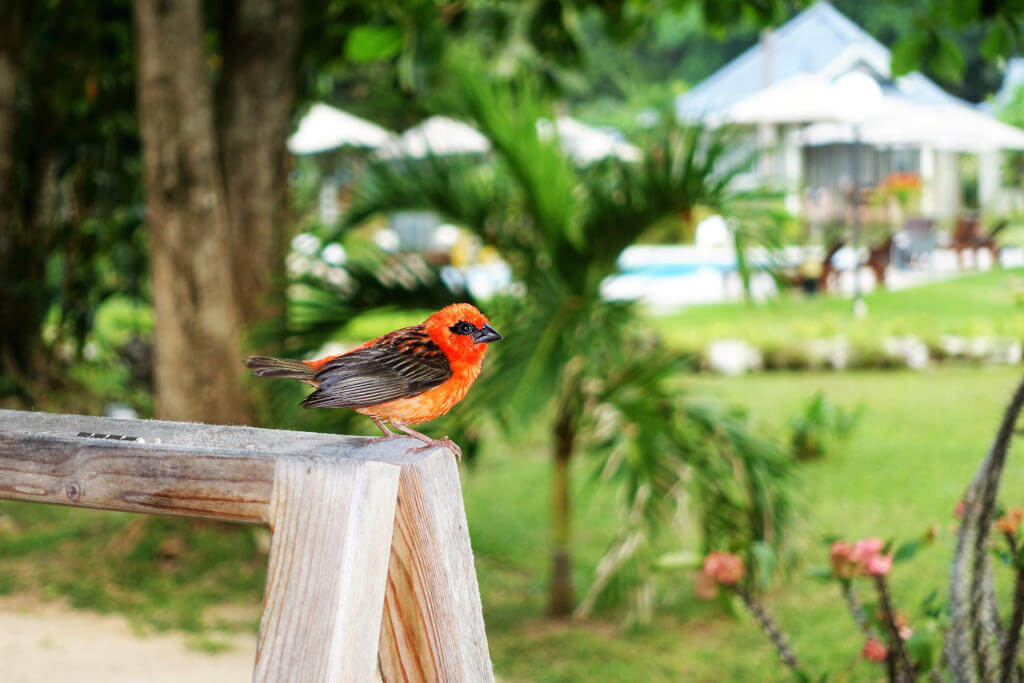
486	334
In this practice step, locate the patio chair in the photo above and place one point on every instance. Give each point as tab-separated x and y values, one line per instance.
969	235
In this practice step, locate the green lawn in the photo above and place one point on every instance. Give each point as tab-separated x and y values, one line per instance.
982	304
920	440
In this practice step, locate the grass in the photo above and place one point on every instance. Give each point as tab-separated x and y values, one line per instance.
981	304
919	441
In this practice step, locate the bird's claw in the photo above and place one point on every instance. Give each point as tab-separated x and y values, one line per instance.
443	442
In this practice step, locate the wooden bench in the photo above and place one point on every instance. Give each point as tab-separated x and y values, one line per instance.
370	572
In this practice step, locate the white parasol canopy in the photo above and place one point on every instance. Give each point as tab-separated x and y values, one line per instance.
325	128
437	135
587	144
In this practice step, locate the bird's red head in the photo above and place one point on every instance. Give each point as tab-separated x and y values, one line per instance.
462	332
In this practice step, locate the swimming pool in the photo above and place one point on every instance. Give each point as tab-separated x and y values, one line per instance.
657	270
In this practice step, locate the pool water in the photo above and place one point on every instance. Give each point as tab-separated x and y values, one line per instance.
661	270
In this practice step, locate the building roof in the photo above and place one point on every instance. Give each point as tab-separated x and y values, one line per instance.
819	41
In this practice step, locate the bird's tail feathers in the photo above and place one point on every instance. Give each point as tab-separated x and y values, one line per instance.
264	366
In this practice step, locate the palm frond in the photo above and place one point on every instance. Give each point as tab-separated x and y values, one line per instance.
509	117
675	459
683	167
459	189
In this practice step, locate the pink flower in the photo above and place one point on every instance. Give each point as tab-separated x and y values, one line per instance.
879	565
842	561
724	567
867	548
875	650
958	511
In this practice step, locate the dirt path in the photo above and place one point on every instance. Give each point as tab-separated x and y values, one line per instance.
42	642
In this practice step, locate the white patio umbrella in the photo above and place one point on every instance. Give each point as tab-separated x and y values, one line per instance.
437	135
325	128
587	144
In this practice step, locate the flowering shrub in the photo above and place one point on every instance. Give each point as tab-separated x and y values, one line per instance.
875	650
978	642
724	567
904	188
1010	522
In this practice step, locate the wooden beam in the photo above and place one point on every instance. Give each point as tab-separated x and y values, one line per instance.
370	547
169	468
213	483
331	521
433	626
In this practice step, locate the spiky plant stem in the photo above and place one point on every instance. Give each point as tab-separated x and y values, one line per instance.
1008	670
768	625
856	611
985	624
973	617
904	669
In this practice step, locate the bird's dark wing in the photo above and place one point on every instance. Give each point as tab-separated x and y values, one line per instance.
401	364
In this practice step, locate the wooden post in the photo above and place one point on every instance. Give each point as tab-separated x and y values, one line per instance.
370	570
433	624
331	522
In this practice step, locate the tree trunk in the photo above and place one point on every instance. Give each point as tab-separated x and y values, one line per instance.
20	268
10	21
561	599
255	101
9	28
197	334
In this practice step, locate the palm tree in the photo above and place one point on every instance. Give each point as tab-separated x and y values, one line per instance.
589	367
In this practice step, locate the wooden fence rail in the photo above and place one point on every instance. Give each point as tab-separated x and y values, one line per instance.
370	574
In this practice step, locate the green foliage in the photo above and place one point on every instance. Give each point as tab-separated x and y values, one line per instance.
75	234
953	40
371	43
820	425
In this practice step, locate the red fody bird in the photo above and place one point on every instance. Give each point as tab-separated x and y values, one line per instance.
404	377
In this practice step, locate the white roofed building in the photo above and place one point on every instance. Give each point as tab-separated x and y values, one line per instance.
791	91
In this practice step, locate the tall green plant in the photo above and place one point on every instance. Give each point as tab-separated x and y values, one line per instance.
570	354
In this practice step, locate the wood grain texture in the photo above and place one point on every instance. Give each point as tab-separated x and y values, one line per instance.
331	521
213	483
180	468
433	627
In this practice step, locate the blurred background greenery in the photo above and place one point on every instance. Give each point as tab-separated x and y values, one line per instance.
155	229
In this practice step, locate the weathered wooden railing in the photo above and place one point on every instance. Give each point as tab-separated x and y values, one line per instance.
370	572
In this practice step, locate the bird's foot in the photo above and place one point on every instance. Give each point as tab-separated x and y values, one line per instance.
443	442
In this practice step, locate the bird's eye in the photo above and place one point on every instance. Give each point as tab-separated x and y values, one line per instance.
462	327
